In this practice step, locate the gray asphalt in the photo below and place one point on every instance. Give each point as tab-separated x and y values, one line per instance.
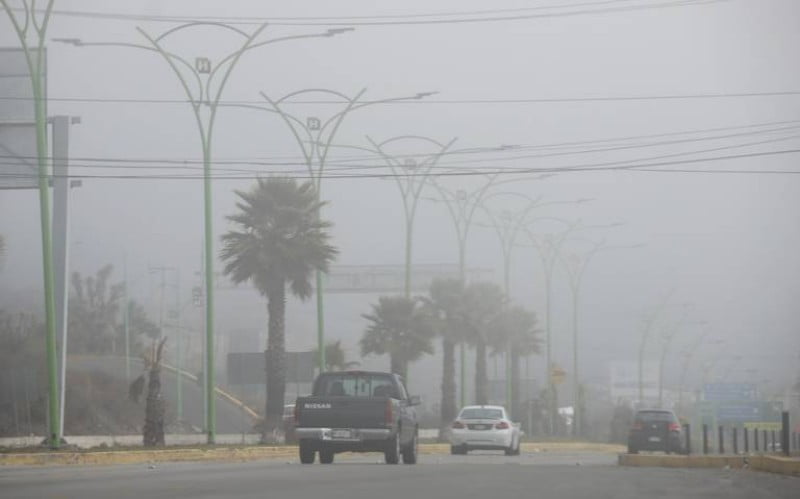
492	476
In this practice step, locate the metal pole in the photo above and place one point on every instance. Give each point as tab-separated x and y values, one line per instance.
61	195
178	352
126	320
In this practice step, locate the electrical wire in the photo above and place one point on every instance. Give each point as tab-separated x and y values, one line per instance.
411	19
584	168
543	100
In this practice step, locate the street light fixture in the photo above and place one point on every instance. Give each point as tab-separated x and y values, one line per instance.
204	73
314	137
576	268
34	49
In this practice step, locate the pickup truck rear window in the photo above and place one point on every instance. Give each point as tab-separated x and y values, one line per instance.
356	385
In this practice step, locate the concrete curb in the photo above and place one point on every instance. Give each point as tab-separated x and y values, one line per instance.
240	454
771	464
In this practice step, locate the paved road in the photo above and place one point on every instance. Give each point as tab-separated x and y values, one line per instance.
543	475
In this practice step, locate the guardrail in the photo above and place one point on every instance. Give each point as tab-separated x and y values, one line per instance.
732	439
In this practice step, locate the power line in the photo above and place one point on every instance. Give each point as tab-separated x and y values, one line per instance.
542	100
585	168
130	163
412	19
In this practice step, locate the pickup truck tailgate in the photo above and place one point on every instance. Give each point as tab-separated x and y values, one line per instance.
342	412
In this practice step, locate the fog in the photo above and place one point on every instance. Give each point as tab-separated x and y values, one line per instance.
725	243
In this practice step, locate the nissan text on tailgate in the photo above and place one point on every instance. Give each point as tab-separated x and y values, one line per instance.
357	411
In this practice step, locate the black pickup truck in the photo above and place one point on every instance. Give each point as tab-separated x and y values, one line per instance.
357	411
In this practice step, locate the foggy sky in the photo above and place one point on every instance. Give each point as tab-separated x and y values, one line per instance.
726	243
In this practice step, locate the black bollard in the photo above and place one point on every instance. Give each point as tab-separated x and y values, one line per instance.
766	442
721	440
746	440
735	440
785	433
774	448
755	437
688	429
705	439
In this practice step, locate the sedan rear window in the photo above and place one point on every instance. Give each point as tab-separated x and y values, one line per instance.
481	413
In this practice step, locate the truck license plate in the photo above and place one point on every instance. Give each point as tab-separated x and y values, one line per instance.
343	434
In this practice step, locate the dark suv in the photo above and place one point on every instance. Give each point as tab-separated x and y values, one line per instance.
655	429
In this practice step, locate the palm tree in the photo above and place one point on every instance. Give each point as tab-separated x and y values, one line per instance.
483	304
279	242
397	327
445	309
516	333
335	358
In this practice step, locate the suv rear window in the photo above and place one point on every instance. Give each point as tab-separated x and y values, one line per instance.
356	385
648	416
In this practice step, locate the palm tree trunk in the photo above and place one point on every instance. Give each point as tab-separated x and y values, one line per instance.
481	379
276	361
448	405
516	407
153	434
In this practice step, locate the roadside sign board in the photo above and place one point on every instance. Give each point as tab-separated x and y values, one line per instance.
250	368
739	412
729	392
18	163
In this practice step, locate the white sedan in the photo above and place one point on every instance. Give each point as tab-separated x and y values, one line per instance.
484	427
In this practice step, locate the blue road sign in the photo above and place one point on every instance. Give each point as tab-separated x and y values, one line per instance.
739	413
729	392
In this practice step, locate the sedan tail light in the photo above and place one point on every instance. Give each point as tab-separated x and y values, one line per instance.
674	427
636	426
502	425
296	413
458	425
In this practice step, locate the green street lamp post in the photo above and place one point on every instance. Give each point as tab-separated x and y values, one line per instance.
205	101
462	206
314	137
35	58
575	267
411	175
507	226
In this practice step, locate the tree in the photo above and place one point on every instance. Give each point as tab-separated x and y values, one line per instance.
93	312
140	328
516	333
155	406
335	358
397	327
483	304
278	241
445	309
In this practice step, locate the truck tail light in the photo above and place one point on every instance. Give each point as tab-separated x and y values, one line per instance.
636	426
389	413
296	414
458	425
502	425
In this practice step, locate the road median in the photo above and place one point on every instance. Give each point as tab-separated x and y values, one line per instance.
237	453
772	464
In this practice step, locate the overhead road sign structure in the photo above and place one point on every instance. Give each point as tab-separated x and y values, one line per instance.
729	392
19	169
